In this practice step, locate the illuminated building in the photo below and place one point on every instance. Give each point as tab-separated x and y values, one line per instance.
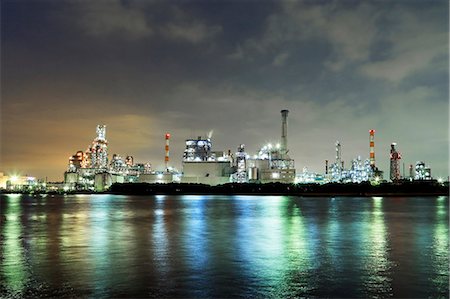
272	163
240	176
3	179
117	165
307	177
129	161
202	165
422	172
336	168
360	171
21	183
99	149
76	161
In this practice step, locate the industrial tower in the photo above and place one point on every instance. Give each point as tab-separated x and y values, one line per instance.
166	158
241	165
284	140
372	148
99	149
395	163
339	158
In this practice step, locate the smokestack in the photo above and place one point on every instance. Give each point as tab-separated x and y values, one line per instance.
166	158
372	148
326	166
284	140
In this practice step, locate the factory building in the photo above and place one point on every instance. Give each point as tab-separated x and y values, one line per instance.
359	171
422	172
19	183
204	166
336	167
273	164
3	179
90	170
162	177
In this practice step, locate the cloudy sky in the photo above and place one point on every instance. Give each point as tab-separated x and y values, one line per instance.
145	68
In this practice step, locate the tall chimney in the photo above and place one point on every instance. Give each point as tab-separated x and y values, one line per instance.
284	140
166	158
372	148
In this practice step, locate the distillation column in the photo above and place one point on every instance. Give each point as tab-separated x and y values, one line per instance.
99	149
339	158
395	161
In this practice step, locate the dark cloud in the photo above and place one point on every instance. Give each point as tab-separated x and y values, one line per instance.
188	67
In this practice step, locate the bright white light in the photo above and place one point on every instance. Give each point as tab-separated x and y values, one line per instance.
275	175
278	145
66	188
14	179
269	145
160	176
440	180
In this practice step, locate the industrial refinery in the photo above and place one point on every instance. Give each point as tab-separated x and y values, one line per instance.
202	164
94	170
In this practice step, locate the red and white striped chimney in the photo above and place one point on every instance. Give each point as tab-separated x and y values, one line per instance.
166	159
372	148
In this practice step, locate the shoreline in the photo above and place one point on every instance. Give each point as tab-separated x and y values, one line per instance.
421	188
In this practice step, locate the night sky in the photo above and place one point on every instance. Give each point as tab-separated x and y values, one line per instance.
145	68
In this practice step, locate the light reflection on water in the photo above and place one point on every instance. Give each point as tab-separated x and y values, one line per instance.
223	246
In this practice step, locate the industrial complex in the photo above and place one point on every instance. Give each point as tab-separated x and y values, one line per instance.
94	170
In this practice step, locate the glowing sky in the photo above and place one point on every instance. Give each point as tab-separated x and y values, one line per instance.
189	67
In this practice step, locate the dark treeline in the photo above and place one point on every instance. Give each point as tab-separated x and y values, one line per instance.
351	189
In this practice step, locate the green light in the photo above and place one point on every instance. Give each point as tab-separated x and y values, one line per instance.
14	262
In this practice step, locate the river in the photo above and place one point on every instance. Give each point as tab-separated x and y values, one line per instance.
102	246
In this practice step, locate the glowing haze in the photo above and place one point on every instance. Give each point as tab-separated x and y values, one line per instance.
145	68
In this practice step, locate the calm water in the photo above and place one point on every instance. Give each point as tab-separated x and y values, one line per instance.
223	246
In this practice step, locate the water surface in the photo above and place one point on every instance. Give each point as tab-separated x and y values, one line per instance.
223	246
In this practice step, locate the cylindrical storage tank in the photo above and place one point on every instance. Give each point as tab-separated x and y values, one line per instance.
253	173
